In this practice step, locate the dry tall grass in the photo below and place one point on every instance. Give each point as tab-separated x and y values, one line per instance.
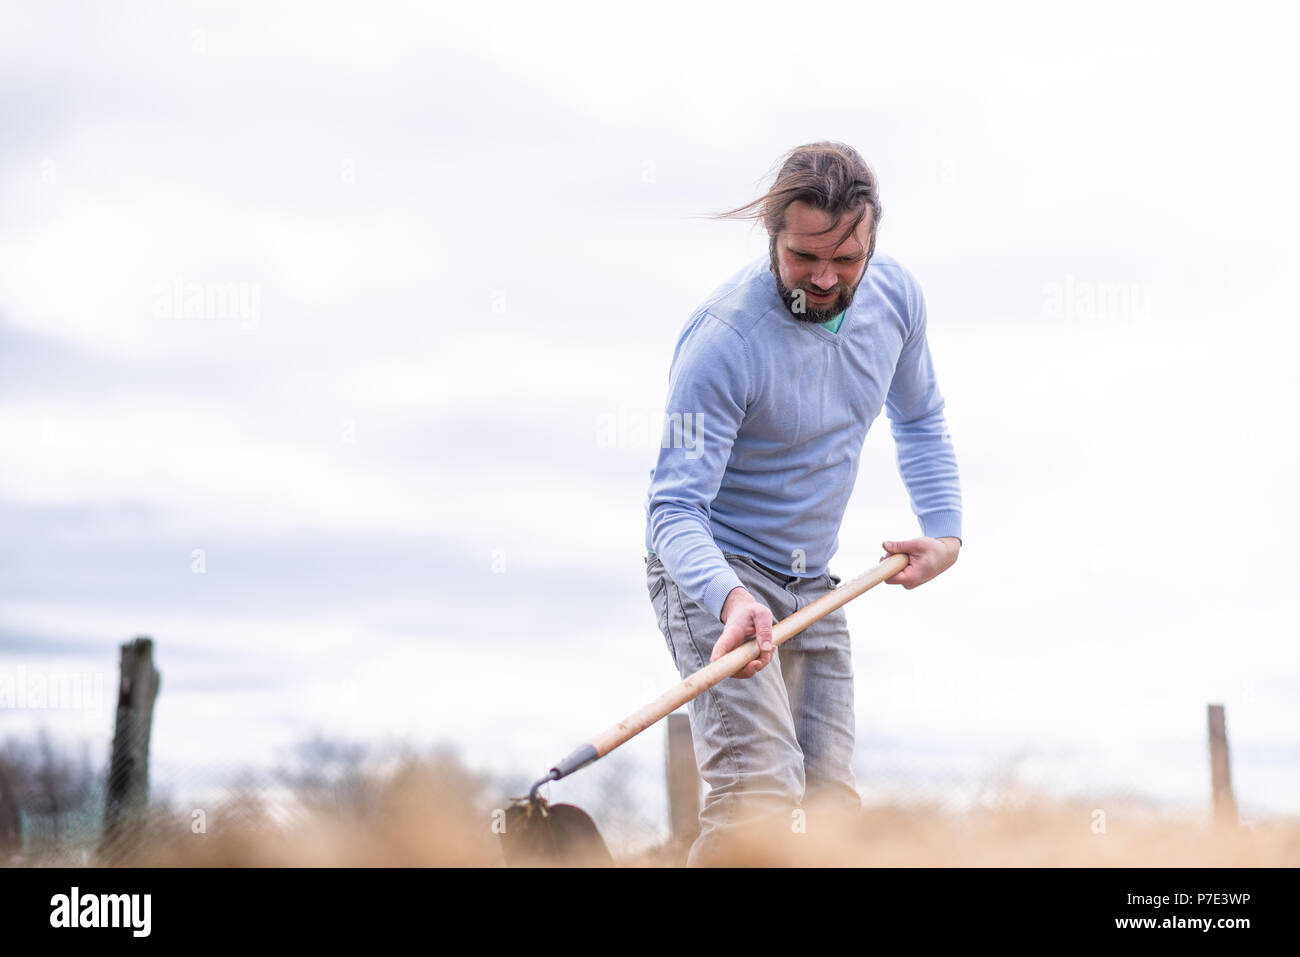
418	819
1038	834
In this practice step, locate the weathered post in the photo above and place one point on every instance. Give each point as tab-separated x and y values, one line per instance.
1225	805
11	819
127	793
683	781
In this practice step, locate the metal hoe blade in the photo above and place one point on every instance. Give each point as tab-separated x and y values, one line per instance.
540	834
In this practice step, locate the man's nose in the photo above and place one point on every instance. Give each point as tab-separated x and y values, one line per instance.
824	277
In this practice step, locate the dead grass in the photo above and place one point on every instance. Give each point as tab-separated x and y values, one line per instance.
418	820
1028	834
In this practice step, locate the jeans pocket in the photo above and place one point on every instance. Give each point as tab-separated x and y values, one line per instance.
664	623
778	578
657	586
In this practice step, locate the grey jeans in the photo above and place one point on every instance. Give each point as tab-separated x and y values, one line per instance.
765	744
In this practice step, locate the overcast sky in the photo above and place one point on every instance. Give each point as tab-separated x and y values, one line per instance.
314	321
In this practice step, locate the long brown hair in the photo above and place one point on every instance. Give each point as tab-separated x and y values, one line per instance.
828	176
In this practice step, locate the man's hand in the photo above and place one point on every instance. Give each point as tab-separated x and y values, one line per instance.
744	616
926	558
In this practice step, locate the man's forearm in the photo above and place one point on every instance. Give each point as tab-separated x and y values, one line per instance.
691	557
926	459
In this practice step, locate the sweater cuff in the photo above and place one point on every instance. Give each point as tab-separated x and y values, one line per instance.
715	594
941	525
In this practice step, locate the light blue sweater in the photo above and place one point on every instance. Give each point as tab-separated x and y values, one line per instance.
766	417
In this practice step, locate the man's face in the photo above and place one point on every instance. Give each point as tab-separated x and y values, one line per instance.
816	278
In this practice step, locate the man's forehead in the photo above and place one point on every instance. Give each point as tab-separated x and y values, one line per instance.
825	243
804	231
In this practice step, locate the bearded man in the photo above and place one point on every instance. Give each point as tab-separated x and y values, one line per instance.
784	367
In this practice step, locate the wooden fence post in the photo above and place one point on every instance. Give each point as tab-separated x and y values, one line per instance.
127	793
11	818
1225	805
683	780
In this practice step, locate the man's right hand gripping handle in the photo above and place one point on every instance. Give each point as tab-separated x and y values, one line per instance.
743	616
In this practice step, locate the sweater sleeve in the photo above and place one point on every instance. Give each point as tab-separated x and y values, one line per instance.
926	459
708	393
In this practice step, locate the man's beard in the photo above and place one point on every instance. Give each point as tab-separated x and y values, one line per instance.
811	313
